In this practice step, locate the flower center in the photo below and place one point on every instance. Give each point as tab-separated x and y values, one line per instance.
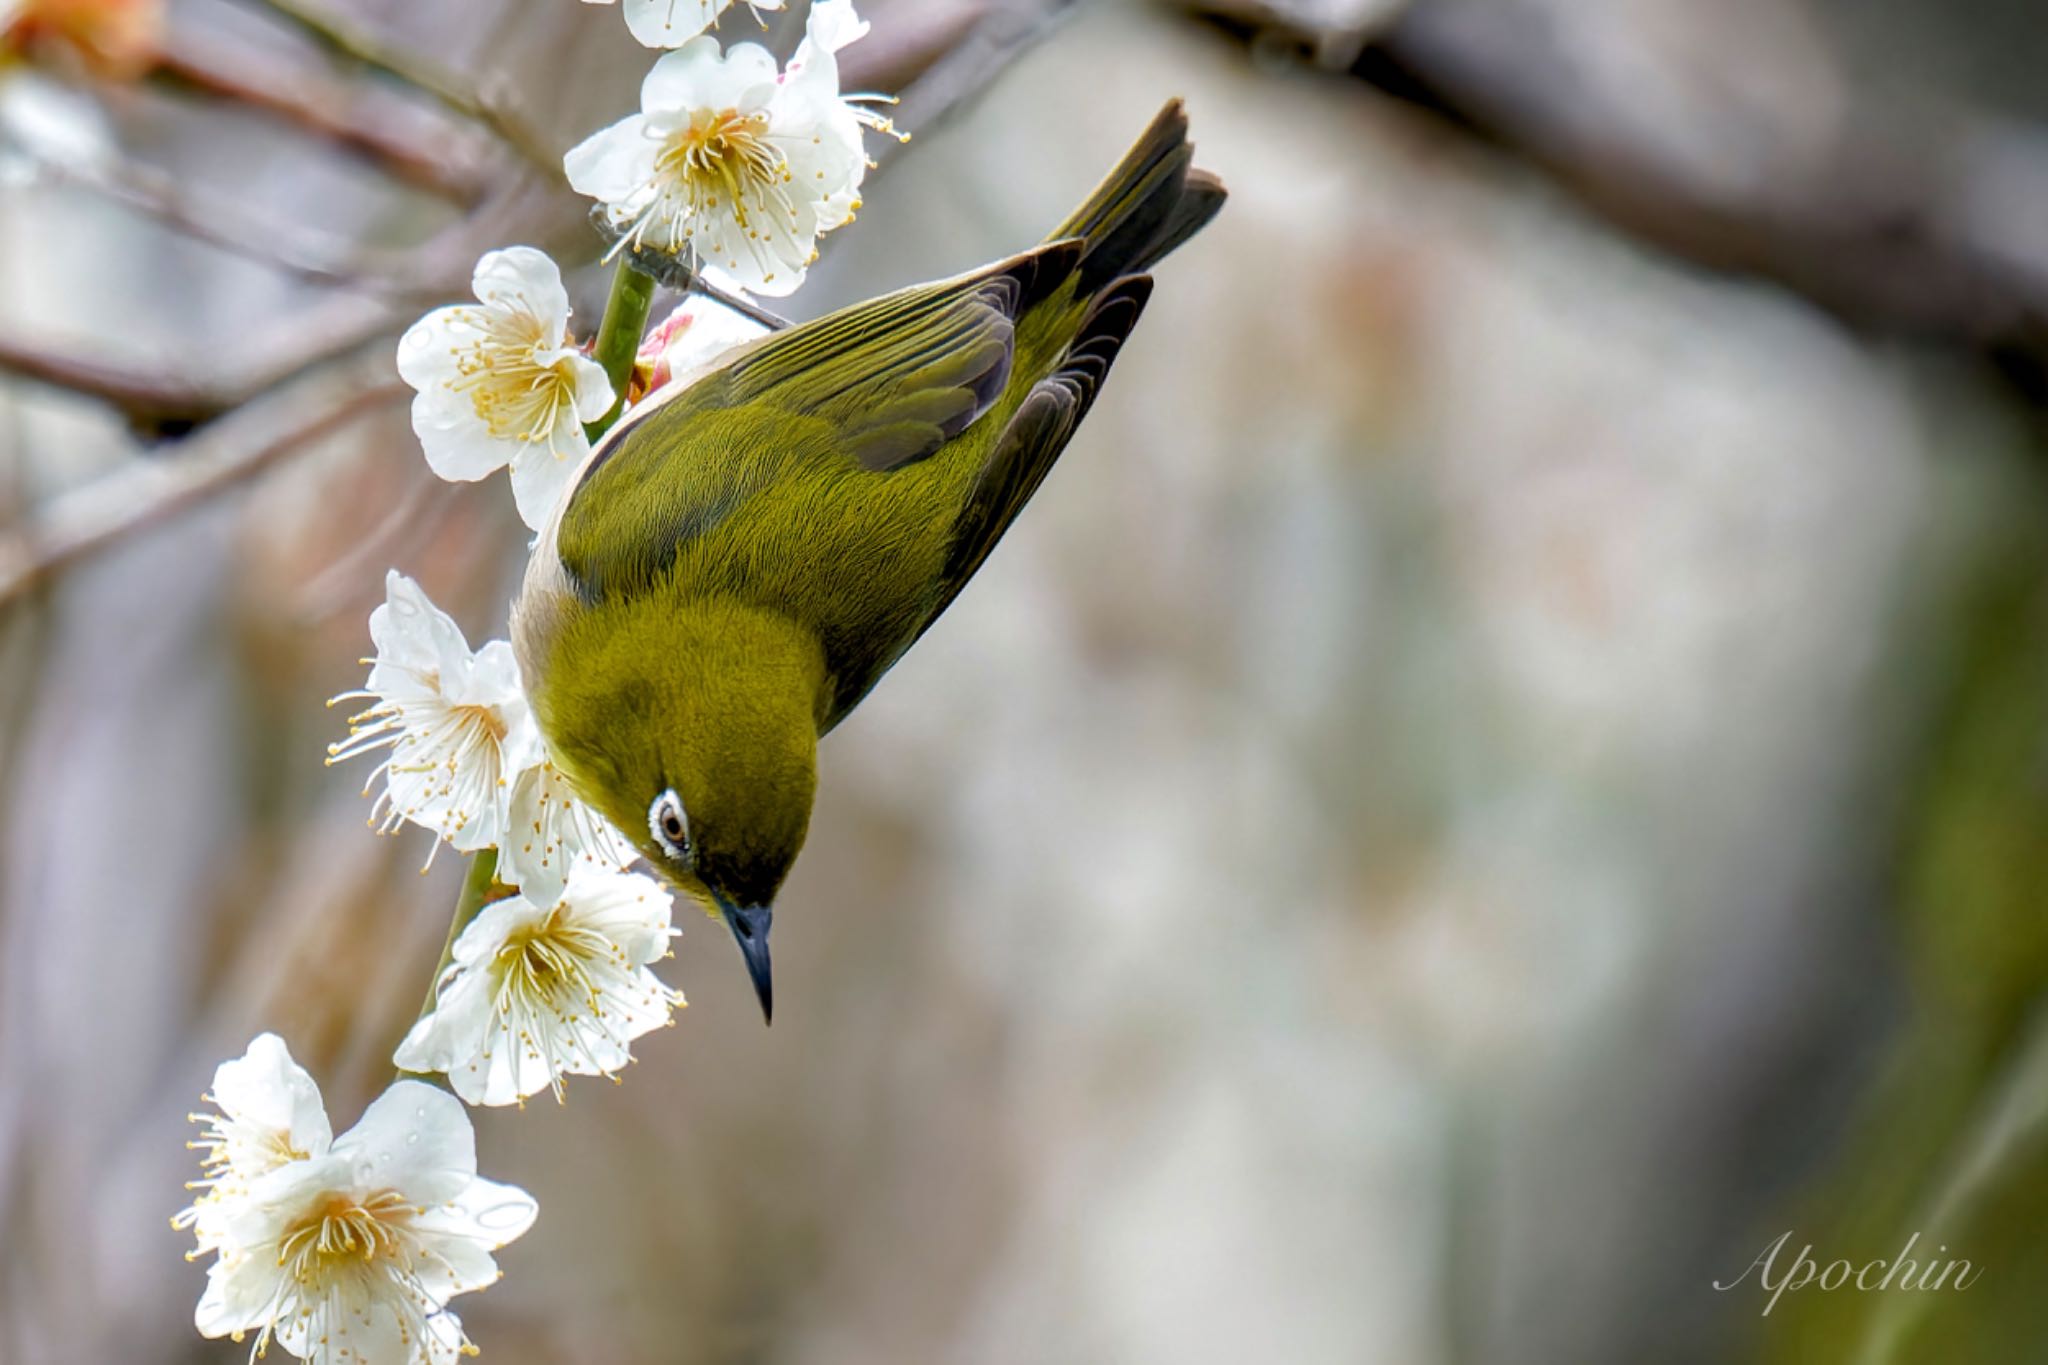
720	167
515	395
551	957
344	1261
485	718
723	152
343	1234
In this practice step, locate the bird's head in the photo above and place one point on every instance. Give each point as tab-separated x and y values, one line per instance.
706	758
727	831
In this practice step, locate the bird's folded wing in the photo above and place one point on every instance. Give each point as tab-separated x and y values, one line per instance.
879	385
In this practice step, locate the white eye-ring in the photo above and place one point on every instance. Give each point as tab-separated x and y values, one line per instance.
670	825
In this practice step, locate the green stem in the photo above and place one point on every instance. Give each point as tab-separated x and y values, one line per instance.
618	337
479	888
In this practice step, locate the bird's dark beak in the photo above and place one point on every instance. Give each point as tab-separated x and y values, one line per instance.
749	925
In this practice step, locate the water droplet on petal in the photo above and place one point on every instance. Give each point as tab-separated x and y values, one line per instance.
505	1216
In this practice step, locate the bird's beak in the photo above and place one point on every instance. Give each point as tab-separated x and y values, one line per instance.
749	925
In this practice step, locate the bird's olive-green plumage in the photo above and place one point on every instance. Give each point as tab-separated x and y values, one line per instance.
744	556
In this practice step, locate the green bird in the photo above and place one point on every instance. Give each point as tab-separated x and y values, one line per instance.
745	555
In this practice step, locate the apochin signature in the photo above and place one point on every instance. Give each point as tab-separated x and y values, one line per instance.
1900	1272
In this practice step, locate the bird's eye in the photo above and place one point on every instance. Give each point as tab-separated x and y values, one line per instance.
670	825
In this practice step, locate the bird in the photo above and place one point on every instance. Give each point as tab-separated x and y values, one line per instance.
746	553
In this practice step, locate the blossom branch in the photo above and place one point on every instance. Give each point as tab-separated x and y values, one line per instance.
480	886
618	342
618	338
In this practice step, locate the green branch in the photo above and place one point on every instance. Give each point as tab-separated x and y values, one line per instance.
618	337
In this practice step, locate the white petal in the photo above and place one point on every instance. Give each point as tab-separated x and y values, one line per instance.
523	279
614	163
530	859
414	1138
267	1088
831	25
670	23
631	909
457	444
594	394
707	332
699	75
540	476
426	353
411	628
221	1312
548	831
485	1212
495	924
491	678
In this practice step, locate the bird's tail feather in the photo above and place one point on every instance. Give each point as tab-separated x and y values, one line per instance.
1153	201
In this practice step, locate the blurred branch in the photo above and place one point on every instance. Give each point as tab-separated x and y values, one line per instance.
1005	31
148	191
359	44
1917	229
431	269
145	393
236	447
163	395
331	110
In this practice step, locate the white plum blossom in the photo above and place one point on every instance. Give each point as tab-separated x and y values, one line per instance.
670	23
549	830
348	1252
501	382
269	1114
539	992
456	723
693	338
731	162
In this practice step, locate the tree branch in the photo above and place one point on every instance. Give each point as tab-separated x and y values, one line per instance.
1006	30
232	449
361	45
161	395
433	159
1886	225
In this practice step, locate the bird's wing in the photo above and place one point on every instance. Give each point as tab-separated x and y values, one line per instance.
876	387
1038	431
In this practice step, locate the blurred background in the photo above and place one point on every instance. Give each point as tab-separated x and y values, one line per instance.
1507	769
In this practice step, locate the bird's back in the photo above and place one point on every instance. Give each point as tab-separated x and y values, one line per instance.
852	473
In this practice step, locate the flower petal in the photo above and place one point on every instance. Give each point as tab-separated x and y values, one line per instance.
523	279
427	350
486	1212
701	75
540	476
612	164
670	23
458	446
414	1138
593	387
267	1088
